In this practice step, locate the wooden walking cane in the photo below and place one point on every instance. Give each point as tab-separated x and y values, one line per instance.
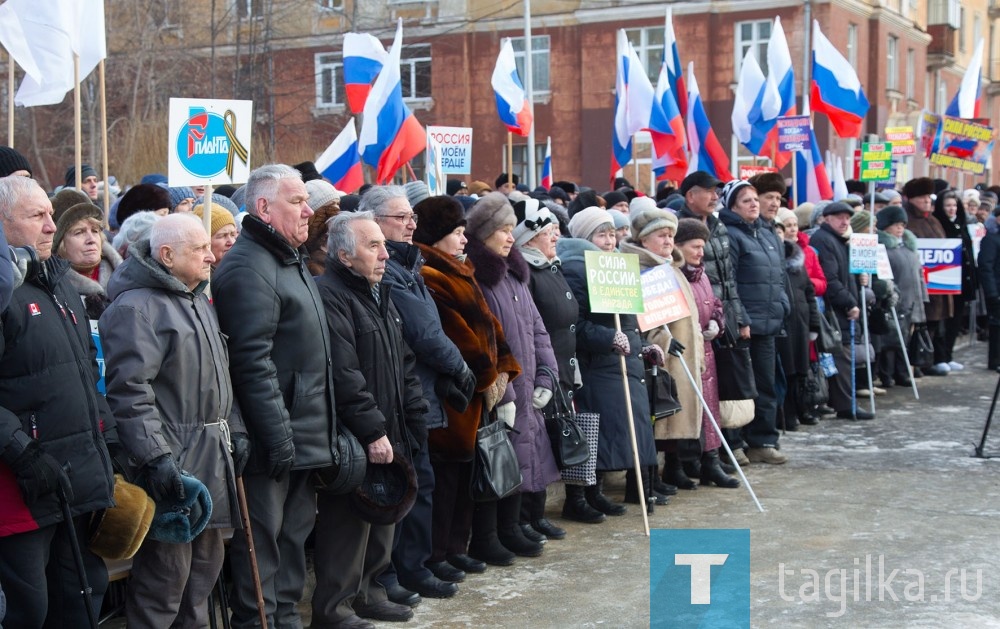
241	495
631	432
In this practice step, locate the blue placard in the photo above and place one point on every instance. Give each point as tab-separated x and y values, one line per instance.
793	133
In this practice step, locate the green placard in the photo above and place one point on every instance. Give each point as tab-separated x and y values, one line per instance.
614	283
876	161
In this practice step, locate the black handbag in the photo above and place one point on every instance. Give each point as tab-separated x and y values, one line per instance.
569	445
813	388
921	347
662	390
350	463
732	363
829	339
495	471
880	321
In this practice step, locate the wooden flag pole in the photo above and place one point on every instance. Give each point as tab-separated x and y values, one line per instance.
10	100
631	432
410	169
104	142
795	180
78	144
510	158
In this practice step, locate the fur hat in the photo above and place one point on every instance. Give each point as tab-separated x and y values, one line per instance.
860	222
321	192
768	182
86	170
803	212
585	222
118	531
555	192
837	207
145	197
970	195
691	229
730	192
921	186
12	161
308	171
182	522
567	186
614	197
71	217
532	218
646	222
65	199
220	201
439	216
785	214
220	217
489	214
178	194
388	492
416	191
890	215
503	178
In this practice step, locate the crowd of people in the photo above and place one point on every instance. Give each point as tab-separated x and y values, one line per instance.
308	328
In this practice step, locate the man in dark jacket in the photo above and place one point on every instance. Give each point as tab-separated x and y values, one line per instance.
279	351
439	365
989	274
51	424
168	383
379	398
831	242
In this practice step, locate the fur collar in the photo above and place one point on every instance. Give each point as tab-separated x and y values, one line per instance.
491	268
795	258
264	235
449	265
110	260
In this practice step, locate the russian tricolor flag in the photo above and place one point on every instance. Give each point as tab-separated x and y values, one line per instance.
782	80
836	90
634	100
967	101
340	163
707	153
812	181
666	129
673	62
547	165
390	134
364	57
512	103
756	106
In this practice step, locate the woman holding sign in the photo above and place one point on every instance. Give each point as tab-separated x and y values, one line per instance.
598	347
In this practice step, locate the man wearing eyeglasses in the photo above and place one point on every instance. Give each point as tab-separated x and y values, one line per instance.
439	363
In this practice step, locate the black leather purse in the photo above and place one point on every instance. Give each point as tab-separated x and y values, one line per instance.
495	471
569	445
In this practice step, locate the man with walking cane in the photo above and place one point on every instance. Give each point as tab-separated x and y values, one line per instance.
54	427
280	363
842	295
168	383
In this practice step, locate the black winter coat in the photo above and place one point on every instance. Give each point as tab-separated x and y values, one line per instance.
378	393
48	391
989	267
959	228
758	262
279	346
804	317
559	309
437	356
841	287
719	268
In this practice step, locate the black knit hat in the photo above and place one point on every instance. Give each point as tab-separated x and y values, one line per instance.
11	161
768	182
502	179
691	229
614	197
308	171
86	170
142	198
921	186
439	216
890	215
454	185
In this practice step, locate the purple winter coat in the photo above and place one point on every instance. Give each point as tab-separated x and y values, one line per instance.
709	308
504	282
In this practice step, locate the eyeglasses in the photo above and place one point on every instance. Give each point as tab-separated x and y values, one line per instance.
402	218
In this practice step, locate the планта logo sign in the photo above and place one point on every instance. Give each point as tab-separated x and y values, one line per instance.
699	578
209	141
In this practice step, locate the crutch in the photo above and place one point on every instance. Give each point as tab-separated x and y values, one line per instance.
854	377
241	495
906	353
74	544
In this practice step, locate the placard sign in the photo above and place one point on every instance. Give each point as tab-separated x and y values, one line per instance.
884	271
942	262
456	148
209	141
613	282
748	170
903	140
793	133
962	144
663	298
876	161
864	253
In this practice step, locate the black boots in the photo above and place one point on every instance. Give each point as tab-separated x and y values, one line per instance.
509	528
673	472
651	498
533	514
485	545
576	508
596	499
712	472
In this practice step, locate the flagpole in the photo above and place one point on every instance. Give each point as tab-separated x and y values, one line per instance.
10	100
104	142
78	144
510	158
795	180
529	95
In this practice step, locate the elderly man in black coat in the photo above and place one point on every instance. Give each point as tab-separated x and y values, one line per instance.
379	399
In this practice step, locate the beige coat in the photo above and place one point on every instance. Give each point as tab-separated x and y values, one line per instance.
687	423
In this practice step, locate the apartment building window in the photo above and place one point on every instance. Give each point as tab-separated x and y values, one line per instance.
519	161
415	71
331	5
892	63
540	53
911	73
961	29
852	44
329	81
648	44
249	9
752	35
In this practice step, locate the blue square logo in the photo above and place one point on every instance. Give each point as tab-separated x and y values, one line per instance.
699	578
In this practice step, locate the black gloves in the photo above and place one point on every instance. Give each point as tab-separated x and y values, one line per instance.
163	480
39	474
466	382
675	348
240	444
457	390
280	458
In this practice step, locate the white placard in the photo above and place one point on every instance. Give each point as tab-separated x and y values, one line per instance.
456	148
209	141
884	271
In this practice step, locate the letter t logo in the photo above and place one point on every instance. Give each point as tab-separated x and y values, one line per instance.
701	574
